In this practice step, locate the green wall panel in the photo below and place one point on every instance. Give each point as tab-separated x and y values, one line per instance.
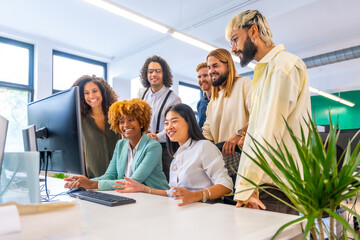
344	116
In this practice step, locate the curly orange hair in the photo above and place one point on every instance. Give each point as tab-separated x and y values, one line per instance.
136	108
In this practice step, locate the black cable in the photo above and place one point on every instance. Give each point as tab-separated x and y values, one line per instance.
46	169
49	197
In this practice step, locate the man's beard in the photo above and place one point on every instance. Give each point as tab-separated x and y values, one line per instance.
248	53
222	78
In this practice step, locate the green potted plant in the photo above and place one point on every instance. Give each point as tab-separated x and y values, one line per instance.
321	186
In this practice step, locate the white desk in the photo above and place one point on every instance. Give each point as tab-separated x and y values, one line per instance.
157	217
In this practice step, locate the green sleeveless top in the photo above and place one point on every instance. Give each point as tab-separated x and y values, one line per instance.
98	146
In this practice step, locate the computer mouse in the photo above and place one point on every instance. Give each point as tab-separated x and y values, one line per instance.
77	189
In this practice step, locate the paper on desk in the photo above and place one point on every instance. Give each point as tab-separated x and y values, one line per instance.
57	220
49	223
9	220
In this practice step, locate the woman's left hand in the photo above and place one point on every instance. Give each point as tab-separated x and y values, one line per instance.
80	181
186	196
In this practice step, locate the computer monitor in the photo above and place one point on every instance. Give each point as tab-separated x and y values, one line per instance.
29	138
3	129
57	122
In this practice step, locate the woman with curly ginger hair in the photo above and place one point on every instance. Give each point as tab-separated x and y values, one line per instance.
96	96
137	156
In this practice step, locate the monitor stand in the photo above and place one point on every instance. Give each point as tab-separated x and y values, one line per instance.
41	178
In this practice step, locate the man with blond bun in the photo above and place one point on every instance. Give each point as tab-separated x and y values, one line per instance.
205	85
228	111
280	89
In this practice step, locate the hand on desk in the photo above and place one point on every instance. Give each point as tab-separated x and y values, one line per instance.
129	186
80	181
252	202
186	196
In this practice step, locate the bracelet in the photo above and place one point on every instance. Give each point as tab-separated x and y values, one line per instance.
209	193
149	190
143	186
204	199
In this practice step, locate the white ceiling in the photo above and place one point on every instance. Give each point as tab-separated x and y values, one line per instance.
306	28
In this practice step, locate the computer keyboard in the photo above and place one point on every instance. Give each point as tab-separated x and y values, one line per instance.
102	198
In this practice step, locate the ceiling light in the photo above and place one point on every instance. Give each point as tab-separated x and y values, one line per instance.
332	97
126	13
192	41
314	90
235	58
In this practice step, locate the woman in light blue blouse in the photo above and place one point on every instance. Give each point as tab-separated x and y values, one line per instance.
137	156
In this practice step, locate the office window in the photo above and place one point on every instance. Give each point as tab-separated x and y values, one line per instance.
16	88
67	68
135	87
189	94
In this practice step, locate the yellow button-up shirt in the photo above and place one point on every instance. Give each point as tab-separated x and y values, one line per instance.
280	88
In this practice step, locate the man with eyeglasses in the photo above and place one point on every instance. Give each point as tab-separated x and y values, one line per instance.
280	90
156	78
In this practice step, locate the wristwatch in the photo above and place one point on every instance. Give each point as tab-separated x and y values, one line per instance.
240	132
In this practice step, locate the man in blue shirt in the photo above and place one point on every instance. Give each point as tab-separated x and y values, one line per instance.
205	85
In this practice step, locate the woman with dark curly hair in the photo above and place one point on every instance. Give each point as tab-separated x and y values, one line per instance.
137	156
96	96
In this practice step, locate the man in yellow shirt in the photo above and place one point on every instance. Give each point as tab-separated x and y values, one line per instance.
280	88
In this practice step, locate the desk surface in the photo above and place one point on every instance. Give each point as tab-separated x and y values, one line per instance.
157	217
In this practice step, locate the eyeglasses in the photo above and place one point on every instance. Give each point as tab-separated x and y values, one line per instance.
233	41
154	70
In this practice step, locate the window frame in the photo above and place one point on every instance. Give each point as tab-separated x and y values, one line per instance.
78	58
16	86
185	84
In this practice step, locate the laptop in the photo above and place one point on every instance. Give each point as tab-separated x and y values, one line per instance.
3	129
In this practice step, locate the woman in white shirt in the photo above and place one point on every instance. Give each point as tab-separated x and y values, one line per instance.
197	172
